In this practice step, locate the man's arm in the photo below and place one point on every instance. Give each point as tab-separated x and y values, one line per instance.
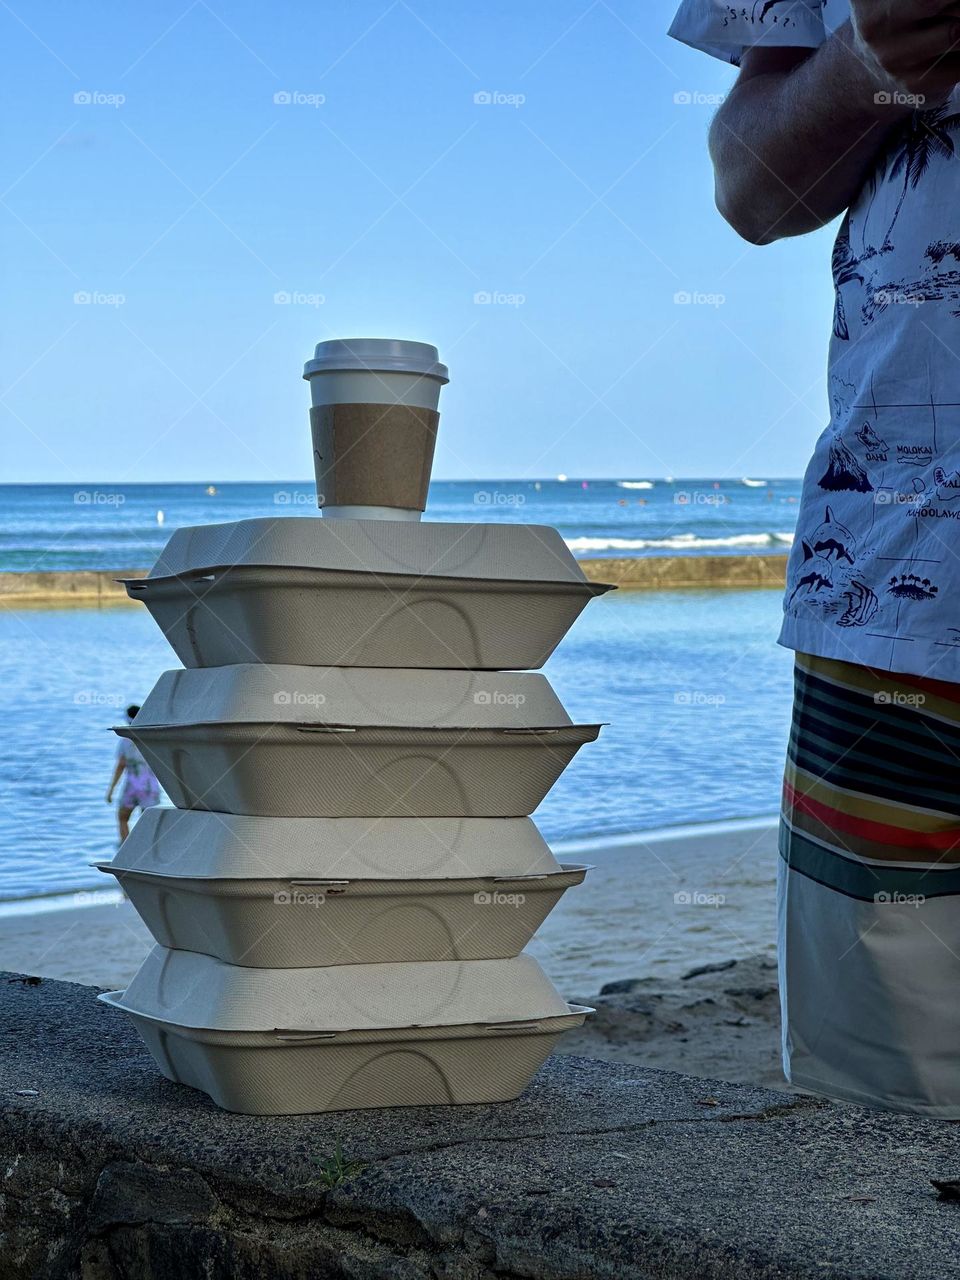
801	129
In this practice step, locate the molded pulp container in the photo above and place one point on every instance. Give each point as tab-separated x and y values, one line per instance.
352	742
305	892
289	1041
365	593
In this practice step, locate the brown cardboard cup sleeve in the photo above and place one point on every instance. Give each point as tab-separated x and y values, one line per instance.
373	454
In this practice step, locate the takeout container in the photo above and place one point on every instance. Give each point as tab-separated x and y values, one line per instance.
295	741
293	1041
306	892
365	593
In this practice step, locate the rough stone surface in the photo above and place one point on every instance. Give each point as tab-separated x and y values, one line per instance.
603	1171
670	573
84	588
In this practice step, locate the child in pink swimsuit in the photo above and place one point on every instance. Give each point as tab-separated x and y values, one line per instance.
141	790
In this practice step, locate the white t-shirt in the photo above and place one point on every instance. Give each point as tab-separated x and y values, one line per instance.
874	572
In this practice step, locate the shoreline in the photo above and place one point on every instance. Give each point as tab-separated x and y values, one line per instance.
664	939
99	588
92	895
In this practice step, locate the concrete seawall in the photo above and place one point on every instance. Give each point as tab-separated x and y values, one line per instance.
597	1172
99	588
83	588
673	573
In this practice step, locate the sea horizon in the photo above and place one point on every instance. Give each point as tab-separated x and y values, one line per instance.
107	525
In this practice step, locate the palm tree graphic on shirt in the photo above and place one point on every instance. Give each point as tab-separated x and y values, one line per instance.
845	269
926	136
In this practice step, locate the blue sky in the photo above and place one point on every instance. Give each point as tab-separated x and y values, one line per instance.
152	171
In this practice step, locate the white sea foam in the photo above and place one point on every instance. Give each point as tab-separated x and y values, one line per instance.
679	542
634	484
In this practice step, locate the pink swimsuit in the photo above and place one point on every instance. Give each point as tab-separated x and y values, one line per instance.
140	789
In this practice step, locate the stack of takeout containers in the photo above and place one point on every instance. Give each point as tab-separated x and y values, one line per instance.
341	895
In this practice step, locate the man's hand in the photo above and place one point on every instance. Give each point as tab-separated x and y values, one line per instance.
916	43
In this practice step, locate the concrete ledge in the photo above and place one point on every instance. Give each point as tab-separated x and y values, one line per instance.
99	588
85	589
705	573
619	1173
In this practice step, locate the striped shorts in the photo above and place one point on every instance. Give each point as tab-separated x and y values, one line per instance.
869	888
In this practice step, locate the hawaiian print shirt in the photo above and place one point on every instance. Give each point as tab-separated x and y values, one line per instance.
874	571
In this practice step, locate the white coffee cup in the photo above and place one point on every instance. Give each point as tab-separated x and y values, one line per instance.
374	420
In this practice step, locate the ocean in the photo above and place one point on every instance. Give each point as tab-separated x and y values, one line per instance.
692	686
104	526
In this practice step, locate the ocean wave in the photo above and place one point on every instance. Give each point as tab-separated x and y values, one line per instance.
679	542
634	484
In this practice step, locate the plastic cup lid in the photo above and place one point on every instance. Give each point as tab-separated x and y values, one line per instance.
377	355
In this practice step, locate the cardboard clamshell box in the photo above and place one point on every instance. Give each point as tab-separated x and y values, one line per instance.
367	593
294	1041
335	742
307	892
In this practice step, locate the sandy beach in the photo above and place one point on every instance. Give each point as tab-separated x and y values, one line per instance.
671	938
